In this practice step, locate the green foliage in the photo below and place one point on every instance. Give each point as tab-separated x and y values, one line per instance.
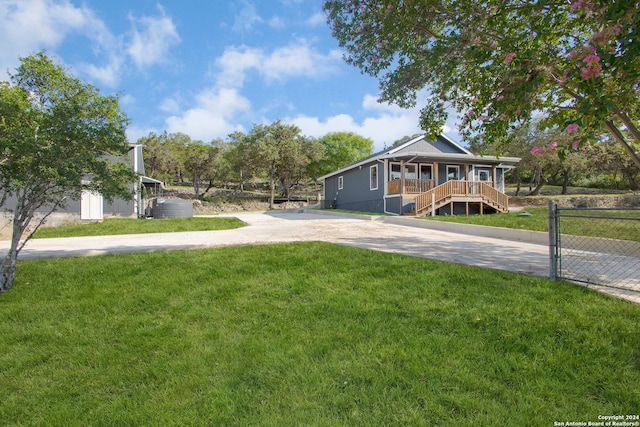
58	138
307	334
339	150
280	152
500	63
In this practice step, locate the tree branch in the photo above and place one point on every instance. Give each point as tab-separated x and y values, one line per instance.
619	137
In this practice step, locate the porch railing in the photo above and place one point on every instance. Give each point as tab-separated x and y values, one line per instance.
483	190
411	186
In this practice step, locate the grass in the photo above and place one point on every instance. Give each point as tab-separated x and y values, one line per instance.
538	221
307	334
115	226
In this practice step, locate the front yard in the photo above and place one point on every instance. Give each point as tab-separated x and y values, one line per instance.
307	334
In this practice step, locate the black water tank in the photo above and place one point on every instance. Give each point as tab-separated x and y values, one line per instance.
172	208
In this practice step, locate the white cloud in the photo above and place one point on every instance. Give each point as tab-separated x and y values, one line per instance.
384	125
152	37
27	26
316	20
276	22
108	75
212	116
33	25
170	105
383	130
295	60
246	18
298	59
233	65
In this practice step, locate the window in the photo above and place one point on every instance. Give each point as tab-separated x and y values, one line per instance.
483	175
453	173
373	177
396	171
410	171
340	182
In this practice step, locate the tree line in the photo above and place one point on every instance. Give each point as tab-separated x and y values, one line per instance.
280	156
275	153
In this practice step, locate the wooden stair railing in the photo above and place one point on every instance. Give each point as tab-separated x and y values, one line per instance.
441	194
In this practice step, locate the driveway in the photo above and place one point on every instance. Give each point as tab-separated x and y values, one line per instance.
291	226
287	226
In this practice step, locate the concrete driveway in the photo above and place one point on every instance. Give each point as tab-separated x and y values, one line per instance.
288	226
296	226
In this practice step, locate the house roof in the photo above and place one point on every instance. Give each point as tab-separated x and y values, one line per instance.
400	152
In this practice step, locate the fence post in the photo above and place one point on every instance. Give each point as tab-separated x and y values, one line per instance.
553	241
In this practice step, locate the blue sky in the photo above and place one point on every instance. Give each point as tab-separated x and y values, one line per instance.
207	67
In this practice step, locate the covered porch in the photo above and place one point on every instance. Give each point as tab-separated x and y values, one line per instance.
448	186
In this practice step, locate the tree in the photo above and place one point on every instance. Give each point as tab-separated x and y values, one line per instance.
200	163
164	155
58	138
236	159
503	62
339	149
278	151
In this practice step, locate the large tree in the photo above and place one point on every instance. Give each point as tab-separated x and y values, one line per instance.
500	63
338	150
280	152
200	162
58	138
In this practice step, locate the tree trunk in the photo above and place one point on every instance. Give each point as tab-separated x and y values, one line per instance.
632	179
23	214
565	180
518	183
541	182
272	184
8	265
209	187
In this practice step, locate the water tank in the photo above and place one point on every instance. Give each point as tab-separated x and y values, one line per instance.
172	208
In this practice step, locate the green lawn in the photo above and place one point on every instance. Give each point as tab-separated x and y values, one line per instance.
538	221
115	226
307	334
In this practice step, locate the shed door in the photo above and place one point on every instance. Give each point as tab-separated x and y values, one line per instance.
91	206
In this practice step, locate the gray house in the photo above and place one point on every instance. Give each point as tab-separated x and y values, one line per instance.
421	177
92	207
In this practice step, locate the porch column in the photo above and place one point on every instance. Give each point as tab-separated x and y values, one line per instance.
494	176
435	174
402	177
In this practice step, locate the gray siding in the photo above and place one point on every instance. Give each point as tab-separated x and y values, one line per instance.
356	194
440	145
393	205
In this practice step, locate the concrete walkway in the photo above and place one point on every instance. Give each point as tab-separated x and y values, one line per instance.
294	226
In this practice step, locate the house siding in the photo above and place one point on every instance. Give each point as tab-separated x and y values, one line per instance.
356	194
440	145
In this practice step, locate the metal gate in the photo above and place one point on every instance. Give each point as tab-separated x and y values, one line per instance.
608	256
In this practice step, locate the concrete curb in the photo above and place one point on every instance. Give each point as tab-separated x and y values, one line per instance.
535	237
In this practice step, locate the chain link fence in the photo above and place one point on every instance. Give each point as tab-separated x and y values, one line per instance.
596	246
